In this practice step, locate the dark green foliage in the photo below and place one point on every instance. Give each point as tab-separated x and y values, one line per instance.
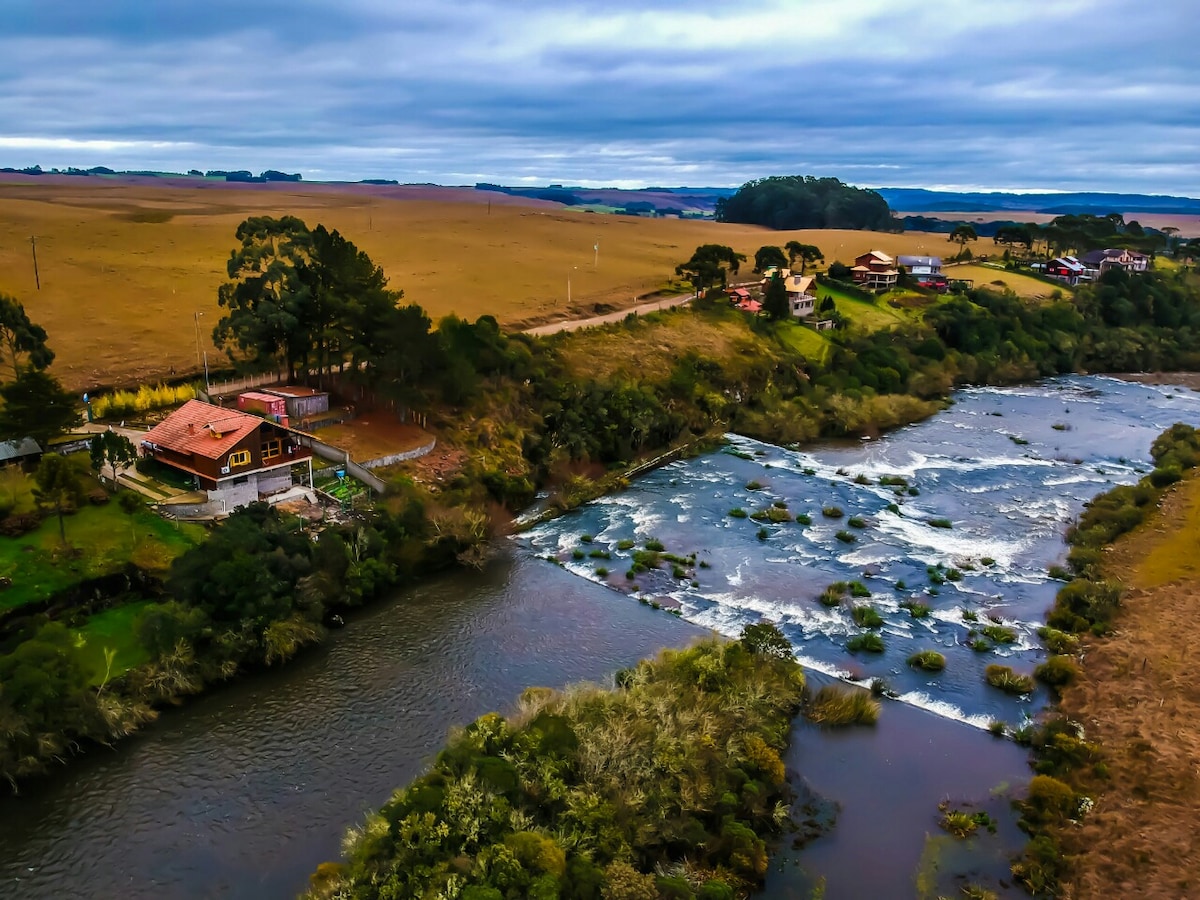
710	265
595	824
999	634
625	544
940	523
58	488
776	305
767	256
836	706
1057	671
804	518
832	512
737	513
22	342
846	537
868	643
35	405
856	522
858	589
928	660
654	545
866	616
792	202
111	449
1004	678
916	609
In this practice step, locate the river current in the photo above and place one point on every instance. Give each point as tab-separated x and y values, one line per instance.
241	793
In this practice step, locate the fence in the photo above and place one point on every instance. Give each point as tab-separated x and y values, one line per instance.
218	388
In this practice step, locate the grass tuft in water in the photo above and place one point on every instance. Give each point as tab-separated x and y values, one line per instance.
927	660
804	519
832	512
838	706
846	537
867	643
1004	678
866	616
738	513
999	634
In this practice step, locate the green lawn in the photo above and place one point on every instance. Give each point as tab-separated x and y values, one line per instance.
100	539
863	313
112	631
804	340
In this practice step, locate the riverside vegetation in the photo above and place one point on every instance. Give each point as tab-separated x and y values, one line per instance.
1069	767
670	784
570	412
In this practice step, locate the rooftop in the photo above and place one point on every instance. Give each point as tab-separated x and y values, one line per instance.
203	429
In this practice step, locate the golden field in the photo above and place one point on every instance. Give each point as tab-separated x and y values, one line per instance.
1021	285
125	267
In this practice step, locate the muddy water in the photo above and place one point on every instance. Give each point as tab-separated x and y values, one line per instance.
243	792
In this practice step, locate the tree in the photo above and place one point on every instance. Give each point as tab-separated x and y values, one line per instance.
36	406
708	265
962	234
775	300
1021	235
769	256
112	449
24	341
57	487
806	253
266	293
795	201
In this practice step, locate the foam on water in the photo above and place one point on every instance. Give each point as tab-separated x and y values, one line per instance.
944	708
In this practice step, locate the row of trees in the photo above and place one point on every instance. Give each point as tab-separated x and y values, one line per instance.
32	401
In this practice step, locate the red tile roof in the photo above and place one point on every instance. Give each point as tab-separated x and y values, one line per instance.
201	428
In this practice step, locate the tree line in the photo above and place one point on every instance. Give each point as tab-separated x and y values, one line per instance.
790	202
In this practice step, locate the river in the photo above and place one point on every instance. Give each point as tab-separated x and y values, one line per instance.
242	792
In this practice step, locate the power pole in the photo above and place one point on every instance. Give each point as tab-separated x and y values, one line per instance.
36	278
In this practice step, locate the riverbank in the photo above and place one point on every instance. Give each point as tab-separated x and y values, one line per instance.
1139	700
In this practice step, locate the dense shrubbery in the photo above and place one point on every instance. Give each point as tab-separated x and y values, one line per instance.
589	793
794	201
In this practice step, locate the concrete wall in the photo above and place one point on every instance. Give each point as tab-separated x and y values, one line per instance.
400	457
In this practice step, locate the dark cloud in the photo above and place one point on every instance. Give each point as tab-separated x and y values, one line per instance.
1097	94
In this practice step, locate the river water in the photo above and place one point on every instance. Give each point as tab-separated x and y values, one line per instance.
242	792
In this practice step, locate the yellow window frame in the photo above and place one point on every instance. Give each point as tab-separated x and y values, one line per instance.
241	458
272	449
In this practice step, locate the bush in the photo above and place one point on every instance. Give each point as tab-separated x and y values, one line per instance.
928	660
655	546
1004	678
916	610
869	642
586	538
97	496
832	512
804	519
754	485
625	544
836	706
865	616
738	513
1000	634
856	522
940	523
846	537
858	589
1058	641
1057	671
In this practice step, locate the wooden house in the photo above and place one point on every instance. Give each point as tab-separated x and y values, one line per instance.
1067	269
234	457
801	291
875	271
303	403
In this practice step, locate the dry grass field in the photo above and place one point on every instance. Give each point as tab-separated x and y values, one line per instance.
126	266
1021	285
1139	698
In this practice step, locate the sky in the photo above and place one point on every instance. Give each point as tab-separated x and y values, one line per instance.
953	94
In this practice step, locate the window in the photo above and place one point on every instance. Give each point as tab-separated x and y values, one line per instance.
241	458
271	449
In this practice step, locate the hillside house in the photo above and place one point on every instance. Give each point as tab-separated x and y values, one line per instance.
1098	262
1067	269
801	294
234	457
875	271
926	271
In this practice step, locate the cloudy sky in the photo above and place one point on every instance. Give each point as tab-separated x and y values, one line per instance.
999	94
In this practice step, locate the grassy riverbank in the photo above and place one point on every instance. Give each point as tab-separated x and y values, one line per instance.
1112	809
670	784
1139	701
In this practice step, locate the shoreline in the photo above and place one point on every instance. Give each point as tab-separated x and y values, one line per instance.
1189	380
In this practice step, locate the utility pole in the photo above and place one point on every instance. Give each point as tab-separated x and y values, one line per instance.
196	315
596	260
36	278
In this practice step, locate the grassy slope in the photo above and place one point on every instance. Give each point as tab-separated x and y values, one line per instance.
1021	285
107	539
1139	699
112	630
125	267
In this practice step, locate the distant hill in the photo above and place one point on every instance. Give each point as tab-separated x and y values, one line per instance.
1097	203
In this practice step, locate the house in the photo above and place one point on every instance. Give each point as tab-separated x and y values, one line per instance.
926	271
875	271
1068	269
738	296
801	294
1098	262
234	457
24	452
750	306
269	406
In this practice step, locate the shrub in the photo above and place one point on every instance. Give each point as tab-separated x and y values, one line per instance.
737	513
832	595
862	479
869	642
19	524
586	538
940	523
1057	671
856	522
835	706
1059	573
625	544
980	645
953	575
754	485
779	504
997	728
845	537
916	610
655	546
865	616
763	534
928	660
1000	634
599	554
601	572
1004	678
858	589
577	554
987	561
804	519
1058	641
894	481
97	496
969	615
832	512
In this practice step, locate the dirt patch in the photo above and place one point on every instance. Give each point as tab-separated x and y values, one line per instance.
1140	699
373	436
1183	379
